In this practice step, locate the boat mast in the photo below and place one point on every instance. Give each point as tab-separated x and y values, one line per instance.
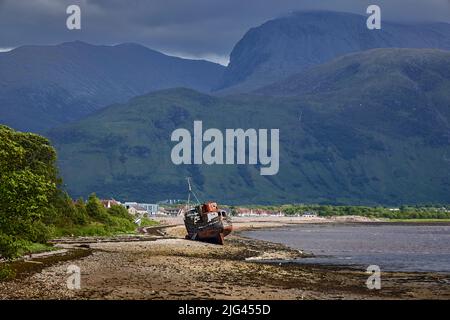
191	191
189	194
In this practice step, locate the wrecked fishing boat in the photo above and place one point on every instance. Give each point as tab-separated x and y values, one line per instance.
206	222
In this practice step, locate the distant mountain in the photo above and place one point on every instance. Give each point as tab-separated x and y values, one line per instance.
368	128
290	44
44	86
376	73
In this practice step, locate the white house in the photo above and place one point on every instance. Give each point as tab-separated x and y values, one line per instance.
136	210
141	208
309	215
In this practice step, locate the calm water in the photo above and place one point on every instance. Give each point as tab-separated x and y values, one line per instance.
392	247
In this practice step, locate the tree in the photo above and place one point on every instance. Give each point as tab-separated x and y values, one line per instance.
82	215
28	183
120	211
96	210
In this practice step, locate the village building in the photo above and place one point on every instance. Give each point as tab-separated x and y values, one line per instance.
250	212
171	211
109	203
151	208
308	214
136	210
145	209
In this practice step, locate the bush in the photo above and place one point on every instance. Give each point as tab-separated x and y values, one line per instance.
81	216
119	224
40	233
120	211
9	246
34	208
6	272
96	210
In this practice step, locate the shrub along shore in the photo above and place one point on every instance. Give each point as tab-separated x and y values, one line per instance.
33	206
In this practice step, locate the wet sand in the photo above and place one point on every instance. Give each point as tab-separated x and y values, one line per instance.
169	267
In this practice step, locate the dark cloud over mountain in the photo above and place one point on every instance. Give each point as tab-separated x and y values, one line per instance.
190	28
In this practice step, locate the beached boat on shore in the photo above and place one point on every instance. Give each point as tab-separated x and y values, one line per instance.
207	223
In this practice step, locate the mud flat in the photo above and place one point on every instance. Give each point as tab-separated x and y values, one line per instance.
173	268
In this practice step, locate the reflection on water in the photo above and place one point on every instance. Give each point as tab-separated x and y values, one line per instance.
392	247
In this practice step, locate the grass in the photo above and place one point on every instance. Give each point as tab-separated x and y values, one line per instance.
147	222
30	247
93	229
25	248
119	226
116	226
419	220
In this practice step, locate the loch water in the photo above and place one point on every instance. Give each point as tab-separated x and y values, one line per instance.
392	247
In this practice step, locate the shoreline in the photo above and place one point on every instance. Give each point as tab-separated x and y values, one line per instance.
170	267
355	266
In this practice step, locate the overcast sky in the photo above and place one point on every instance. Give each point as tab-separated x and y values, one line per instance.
189	28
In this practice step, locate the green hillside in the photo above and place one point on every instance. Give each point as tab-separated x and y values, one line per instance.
368	128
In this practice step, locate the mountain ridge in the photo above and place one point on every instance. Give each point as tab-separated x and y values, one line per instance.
361	146
317	79
290	44
45	86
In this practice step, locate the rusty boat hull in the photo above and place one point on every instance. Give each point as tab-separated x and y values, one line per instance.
212	226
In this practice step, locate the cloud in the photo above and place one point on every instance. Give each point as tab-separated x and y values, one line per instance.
189	28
